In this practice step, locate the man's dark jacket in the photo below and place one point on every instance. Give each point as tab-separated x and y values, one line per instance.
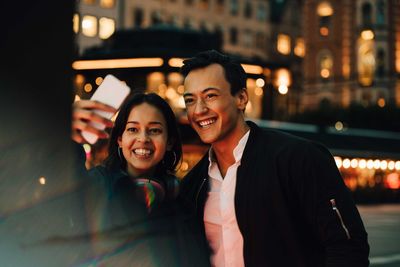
291	204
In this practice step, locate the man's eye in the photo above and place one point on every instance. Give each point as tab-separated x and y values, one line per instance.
155	131
211	96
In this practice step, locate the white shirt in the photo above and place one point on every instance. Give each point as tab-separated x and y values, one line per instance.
222	230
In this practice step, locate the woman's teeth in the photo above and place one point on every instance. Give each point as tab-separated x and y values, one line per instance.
142	151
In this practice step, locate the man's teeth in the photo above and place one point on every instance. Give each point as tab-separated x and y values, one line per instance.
206	122
142	151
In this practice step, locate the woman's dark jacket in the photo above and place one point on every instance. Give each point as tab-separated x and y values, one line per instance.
125	232
291	204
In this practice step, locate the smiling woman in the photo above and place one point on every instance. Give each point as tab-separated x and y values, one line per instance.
132	195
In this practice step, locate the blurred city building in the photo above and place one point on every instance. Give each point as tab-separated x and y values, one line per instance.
353	53
263	34
340	52
95	21
298	54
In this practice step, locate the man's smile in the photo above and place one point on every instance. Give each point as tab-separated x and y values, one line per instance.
206	123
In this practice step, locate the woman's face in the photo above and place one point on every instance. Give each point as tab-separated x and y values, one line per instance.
144	140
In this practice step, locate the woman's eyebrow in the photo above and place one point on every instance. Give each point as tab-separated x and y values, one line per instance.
151	122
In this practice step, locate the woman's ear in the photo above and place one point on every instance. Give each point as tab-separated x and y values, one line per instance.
119	140
170	144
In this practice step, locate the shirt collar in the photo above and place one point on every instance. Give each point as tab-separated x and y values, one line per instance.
237	151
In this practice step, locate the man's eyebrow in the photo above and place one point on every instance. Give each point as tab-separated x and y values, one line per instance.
203	92
209	89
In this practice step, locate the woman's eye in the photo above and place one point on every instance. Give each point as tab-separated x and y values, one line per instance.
132	130
155	131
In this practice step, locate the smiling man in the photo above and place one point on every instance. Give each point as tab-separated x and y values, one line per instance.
263	198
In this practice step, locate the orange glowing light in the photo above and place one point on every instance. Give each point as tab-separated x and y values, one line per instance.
324	31
325	73
392	181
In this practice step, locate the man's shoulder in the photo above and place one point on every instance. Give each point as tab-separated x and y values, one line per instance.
279	139
279	142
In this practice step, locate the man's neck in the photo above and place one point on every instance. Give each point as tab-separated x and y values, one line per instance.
223	149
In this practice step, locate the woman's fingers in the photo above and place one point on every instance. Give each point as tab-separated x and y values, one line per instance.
79	126
83	114
90	116
91	104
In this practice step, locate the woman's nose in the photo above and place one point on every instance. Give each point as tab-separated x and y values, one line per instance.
142	137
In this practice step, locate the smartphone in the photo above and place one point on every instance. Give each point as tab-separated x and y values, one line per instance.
111	92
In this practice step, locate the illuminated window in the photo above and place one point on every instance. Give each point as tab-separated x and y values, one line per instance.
107	3
367	35
234	7
324	9
282	80
325	12
366	63
106	27
75	23
89	26
325	64
397	55
248	10
300	48
283	45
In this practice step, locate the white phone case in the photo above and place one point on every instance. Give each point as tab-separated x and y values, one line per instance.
111	92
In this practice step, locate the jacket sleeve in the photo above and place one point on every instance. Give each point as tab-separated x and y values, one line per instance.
332	212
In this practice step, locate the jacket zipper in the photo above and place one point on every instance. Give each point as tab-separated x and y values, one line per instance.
334	207
198	192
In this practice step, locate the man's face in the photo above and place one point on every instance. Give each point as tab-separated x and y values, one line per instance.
211	109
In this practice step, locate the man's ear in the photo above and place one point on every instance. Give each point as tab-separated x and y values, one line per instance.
242	99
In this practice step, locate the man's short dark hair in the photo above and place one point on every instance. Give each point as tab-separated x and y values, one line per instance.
234	72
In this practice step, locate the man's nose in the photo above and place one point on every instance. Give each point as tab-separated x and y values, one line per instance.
200	107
